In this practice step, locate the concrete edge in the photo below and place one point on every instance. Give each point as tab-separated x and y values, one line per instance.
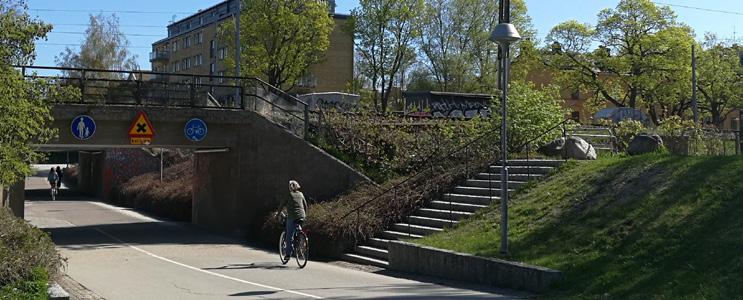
425	260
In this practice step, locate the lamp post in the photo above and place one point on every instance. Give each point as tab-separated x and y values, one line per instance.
504	34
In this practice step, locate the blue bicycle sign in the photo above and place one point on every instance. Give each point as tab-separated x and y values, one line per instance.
195	130
83	127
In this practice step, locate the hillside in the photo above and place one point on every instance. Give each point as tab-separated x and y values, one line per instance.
653	226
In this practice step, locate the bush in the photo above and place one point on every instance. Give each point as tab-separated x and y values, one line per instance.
384	147
531	112
625	131
170	198
27	256
33	288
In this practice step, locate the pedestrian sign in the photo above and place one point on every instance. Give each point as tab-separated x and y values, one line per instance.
195	130
83	127
141	131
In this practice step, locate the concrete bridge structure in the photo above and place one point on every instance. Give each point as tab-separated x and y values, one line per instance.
242	166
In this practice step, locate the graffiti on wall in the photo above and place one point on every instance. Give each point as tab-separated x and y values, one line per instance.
326	101
446	105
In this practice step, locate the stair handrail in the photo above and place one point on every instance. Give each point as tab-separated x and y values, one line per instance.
446	156
427	161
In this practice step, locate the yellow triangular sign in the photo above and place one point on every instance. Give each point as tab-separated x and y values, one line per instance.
141	127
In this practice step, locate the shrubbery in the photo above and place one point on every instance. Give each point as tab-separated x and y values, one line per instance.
170	198
27	259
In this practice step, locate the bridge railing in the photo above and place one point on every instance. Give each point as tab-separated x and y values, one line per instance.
145	88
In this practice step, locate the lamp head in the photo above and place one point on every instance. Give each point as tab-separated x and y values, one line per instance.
505	33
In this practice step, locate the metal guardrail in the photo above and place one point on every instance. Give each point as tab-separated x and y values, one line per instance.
146	88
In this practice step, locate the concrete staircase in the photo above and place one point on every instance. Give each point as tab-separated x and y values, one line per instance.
600	137
461	202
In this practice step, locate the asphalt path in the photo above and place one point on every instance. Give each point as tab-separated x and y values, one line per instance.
119	253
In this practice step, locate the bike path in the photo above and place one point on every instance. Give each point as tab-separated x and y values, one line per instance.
121	254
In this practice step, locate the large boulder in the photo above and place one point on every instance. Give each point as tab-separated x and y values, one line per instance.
645	143
578	148
553	148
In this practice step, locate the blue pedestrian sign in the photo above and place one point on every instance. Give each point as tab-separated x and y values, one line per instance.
83	127
195	130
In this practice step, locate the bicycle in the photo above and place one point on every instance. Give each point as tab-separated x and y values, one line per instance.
300	245
53	191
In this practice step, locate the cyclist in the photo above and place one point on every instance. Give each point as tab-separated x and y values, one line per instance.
59	177
52	179
295	214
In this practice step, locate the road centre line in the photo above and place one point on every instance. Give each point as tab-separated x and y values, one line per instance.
205	271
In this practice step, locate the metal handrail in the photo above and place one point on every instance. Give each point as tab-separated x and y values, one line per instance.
420	171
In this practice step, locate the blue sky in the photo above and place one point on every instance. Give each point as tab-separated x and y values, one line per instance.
144	28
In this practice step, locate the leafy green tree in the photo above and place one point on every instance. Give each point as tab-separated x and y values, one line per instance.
24	114
384	31
531	112
642	59
720	82
455	45
105	48
280	39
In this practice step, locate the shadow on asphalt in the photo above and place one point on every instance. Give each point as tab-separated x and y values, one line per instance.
258	265
253	294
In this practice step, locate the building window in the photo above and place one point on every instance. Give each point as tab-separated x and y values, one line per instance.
177	67
175	46
308	81
211	69
188	63
220	54
221	78
575	116
199	38
199	60
187	42
212	48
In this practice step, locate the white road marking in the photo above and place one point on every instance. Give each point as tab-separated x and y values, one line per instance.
205	271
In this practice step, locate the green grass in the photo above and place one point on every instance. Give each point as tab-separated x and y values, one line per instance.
648	227
33	288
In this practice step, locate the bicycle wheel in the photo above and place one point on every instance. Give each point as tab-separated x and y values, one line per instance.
54	194
282	248
301	249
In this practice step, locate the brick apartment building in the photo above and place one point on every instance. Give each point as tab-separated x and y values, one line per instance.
192	47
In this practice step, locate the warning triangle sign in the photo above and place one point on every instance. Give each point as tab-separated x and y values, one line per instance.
141	127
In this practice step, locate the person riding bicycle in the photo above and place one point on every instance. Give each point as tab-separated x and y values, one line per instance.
59	177
296	214
52	179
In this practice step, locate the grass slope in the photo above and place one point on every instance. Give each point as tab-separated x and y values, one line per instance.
653	226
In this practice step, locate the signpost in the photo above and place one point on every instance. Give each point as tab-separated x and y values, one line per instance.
195	130
141	131
82	127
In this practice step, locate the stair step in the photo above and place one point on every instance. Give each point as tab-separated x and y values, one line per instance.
511	176
535	162
396	235
495	183
372	252
469	199
378	243
466	207
480	191
415	229
432	222
442	214
364	260
523	169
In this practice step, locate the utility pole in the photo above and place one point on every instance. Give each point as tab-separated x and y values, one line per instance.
238	96
694	107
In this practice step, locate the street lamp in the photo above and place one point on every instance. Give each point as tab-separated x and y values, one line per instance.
504	34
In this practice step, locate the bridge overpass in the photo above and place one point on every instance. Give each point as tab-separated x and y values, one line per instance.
254	144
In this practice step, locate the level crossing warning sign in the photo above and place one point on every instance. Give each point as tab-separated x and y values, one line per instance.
141	131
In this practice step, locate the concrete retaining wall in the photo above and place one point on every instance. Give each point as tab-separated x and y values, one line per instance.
430	261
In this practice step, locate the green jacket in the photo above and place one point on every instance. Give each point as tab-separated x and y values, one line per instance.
295	208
